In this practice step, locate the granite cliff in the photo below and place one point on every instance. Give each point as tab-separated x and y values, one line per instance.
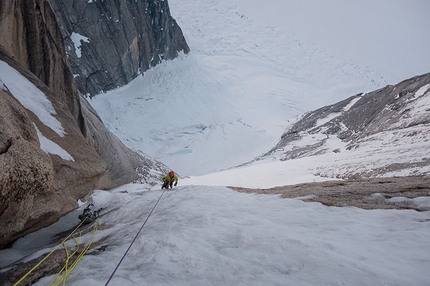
110	42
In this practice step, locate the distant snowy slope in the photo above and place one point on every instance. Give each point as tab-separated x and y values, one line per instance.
230	99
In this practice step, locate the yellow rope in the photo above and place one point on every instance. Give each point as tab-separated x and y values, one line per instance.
68	256
55	248
65	271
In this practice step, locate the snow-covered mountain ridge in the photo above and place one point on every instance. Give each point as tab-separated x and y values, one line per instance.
380	133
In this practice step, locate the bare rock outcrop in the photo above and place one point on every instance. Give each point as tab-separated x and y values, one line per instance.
110	42
376	193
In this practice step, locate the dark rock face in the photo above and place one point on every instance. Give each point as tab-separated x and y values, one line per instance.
38	184
110	42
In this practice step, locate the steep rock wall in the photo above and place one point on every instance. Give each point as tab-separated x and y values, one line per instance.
110	42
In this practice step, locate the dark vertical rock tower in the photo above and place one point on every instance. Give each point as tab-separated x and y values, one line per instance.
110	42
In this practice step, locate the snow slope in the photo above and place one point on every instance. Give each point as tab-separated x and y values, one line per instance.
252	67
202	235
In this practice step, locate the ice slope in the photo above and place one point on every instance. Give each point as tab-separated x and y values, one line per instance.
251	69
